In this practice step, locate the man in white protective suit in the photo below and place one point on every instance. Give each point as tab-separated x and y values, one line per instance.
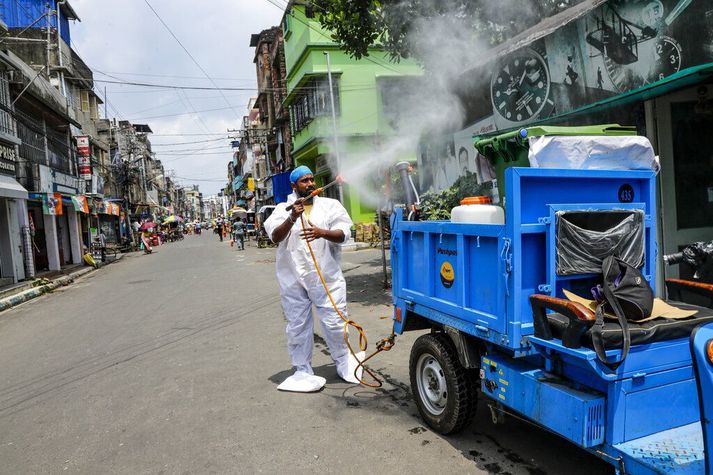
327	225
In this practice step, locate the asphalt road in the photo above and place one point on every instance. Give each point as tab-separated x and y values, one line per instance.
168	363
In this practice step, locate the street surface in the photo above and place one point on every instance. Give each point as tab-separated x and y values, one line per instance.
168	363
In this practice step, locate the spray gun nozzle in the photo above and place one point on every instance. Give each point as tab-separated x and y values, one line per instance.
339	179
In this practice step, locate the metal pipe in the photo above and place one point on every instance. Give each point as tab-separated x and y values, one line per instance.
23	40
403	169
334	124
28	85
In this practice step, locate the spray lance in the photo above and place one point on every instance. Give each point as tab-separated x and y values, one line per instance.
412	198
317	191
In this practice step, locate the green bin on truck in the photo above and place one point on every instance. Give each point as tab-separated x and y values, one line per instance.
511	148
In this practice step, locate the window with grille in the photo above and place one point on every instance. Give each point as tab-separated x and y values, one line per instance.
313	101
7	123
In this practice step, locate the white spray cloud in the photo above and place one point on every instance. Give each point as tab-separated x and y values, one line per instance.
428	106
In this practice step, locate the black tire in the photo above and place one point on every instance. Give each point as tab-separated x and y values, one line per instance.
434	359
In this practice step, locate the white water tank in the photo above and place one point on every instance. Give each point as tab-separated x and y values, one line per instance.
477	210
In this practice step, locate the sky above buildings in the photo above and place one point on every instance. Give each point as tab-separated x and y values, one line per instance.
126	41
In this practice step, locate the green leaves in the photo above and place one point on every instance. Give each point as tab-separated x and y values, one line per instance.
438	206
397	24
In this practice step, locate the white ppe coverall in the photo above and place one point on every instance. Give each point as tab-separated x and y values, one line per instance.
300	286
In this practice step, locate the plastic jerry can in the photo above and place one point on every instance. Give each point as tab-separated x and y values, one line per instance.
477	210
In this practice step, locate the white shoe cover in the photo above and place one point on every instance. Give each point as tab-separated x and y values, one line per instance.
302	382
352	363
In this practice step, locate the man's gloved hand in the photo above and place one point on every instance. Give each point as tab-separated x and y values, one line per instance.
697	253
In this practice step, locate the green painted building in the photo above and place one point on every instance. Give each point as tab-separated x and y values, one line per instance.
359	88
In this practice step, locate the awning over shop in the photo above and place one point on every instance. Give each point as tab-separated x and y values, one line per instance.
10	188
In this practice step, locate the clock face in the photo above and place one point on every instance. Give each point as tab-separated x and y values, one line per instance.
668	57
520	86
659	57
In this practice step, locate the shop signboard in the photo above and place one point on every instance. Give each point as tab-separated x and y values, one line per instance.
84	157
64	183
8	157
53	181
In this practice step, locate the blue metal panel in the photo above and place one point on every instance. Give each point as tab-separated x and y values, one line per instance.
452	269
578	415
492	289
634	387
22	13
700	339
646	359
658	402
678	451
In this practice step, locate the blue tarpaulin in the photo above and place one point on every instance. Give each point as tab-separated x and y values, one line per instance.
22	13
281	187
237	182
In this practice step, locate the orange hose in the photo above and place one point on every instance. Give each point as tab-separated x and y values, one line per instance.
383	345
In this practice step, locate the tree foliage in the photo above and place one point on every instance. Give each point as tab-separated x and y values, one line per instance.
359	24
438	205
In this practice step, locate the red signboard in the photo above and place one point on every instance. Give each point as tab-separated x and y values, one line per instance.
84	157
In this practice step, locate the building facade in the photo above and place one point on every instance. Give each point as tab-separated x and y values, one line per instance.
357	102
642	64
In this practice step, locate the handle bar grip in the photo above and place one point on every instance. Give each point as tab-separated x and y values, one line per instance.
673	259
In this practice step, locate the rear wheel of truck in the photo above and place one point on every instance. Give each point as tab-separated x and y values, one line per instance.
445	392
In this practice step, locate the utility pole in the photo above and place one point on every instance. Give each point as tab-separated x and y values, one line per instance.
334	126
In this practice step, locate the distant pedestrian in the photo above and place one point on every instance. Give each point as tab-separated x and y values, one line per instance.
219	227
239	234
101	240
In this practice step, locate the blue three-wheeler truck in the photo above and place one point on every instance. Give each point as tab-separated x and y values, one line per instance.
502	329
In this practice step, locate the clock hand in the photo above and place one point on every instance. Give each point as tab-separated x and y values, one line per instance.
522	78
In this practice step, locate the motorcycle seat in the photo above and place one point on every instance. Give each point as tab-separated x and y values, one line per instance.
659	329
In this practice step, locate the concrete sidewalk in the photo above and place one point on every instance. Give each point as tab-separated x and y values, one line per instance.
42	285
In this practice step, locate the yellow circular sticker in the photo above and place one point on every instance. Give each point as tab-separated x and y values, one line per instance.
447	275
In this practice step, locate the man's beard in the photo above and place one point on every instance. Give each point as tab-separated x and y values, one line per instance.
306	193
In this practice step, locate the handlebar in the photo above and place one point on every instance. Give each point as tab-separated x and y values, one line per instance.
673	259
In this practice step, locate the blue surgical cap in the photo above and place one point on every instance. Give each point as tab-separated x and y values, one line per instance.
299	172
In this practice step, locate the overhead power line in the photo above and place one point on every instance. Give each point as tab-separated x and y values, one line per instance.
188	134
180	76
183	113
189	54
189	143
355	87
